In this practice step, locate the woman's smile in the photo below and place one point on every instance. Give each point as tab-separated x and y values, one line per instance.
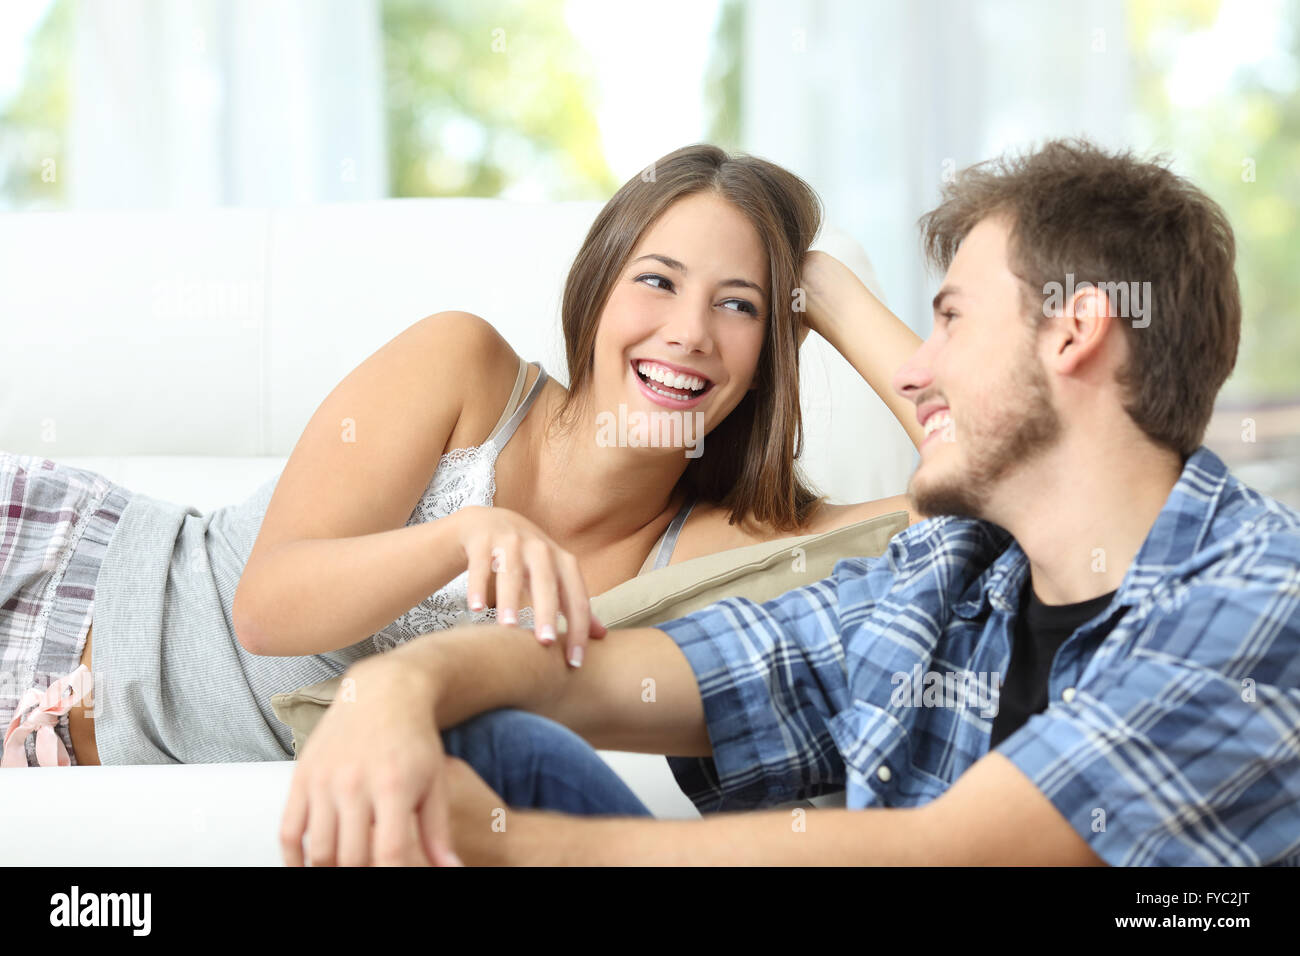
668	387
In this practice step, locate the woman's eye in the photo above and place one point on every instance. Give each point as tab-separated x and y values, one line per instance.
949	316
667	286
653	280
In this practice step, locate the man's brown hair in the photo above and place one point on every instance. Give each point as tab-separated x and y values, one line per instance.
1108	218
749	463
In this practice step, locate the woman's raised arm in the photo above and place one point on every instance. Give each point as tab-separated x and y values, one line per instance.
876	342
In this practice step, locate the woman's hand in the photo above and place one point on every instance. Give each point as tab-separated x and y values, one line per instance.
531	571
828	285
369	787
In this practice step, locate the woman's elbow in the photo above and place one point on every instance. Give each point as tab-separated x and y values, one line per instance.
244	625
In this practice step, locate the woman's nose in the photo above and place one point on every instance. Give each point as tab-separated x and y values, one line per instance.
690	326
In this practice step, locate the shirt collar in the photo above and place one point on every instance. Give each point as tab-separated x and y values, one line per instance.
1179	530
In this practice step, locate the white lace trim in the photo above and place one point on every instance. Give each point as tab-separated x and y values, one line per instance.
464	477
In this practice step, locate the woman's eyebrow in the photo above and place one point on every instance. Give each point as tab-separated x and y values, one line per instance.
672	263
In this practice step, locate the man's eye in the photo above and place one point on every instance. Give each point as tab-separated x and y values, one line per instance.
667	286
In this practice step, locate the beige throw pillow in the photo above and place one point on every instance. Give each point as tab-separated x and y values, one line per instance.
759	572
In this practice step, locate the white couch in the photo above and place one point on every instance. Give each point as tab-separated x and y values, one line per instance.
182	353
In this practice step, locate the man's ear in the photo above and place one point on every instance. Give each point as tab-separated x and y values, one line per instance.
1088	300
1082	327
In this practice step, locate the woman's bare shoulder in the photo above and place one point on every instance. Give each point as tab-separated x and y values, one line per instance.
486	368
828	517
708	530
468	337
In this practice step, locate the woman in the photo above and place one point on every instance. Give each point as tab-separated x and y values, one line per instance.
680	301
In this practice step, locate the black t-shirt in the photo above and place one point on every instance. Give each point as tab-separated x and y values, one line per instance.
1041	629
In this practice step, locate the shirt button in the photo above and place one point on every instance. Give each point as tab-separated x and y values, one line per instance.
882	772
1067	695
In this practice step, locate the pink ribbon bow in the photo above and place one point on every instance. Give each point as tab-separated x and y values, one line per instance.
43	718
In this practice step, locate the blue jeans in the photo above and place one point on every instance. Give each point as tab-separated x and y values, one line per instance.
532	762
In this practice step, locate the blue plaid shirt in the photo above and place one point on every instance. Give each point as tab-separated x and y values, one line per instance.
1172	735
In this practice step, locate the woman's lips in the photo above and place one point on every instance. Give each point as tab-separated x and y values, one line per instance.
664	400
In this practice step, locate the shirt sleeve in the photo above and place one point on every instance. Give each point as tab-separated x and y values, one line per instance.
1182	746
770	676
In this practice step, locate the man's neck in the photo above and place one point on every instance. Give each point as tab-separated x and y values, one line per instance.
1082	511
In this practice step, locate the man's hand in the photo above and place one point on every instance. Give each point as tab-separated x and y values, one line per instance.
369	786
480	820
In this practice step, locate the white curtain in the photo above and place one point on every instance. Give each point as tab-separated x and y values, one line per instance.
183	103
874	101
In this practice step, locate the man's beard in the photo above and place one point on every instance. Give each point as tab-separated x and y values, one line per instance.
994	448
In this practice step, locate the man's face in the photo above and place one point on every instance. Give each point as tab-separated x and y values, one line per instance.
977	382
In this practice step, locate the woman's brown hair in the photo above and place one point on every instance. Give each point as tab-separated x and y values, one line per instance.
749	463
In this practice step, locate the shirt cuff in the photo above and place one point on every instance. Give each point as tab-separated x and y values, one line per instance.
733	778
1069	760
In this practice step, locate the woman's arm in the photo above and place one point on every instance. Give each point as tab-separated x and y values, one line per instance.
334	560
876	342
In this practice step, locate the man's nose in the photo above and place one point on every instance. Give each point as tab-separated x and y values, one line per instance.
914	376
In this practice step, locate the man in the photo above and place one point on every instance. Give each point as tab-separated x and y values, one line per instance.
1138	606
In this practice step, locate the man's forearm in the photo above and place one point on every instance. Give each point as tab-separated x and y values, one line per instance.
993	815
821	837
634	691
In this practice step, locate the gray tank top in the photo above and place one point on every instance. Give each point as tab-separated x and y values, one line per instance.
172	682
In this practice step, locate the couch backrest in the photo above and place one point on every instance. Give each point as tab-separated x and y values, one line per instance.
218	332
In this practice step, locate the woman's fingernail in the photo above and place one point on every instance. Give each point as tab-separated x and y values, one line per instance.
575	657
507	616
546	634
476	602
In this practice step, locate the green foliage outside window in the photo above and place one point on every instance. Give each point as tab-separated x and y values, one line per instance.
1242	146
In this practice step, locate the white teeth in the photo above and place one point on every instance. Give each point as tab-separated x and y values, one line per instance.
660	391
936	421
670	378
